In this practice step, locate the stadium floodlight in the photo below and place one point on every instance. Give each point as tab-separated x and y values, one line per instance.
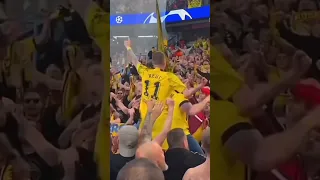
145	36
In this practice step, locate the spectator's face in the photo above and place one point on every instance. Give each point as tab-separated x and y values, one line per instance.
54	72
32	104
282	61
120	94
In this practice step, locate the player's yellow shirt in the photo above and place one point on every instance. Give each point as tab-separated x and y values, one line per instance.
226	121
180	118
158	85
98	25
224	79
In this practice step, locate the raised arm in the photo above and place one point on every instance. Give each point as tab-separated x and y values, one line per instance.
154	111
167	126
260	97
193	109
120	104
133	58
45	33
189	92
44	149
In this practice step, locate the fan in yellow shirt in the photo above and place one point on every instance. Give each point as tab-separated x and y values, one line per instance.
183	108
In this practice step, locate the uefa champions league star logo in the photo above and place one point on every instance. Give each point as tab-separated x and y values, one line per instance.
119	19
151	19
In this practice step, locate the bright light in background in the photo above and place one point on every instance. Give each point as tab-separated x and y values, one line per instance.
147	36
120	37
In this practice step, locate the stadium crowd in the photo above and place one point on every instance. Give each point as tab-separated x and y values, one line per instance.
171	120
266	108
53	120
49	105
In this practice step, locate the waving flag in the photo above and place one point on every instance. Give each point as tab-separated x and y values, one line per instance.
161	41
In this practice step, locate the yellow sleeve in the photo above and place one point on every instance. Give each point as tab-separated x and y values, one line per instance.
176	83
24	49
224	79
98	26
21	57
227	120
179	99
141	69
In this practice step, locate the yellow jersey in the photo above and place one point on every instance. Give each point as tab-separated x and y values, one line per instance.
180	118
98	25
226	122
19	57
158	85
224	79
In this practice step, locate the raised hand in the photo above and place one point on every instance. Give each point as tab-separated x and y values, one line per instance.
127	44
150	104
156	111
170	103
204	81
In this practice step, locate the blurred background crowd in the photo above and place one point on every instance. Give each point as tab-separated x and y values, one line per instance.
272	45
52	88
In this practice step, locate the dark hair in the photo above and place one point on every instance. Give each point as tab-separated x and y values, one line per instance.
175	138
158	58
140	169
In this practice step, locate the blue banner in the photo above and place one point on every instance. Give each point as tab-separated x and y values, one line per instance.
167	17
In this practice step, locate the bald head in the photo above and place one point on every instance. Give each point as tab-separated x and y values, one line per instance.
206	141
153	152
140	169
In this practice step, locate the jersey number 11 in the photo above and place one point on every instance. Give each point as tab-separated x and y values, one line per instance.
156	91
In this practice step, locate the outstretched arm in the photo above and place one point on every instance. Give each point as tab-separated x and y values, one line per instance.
194	109
133	58
154	111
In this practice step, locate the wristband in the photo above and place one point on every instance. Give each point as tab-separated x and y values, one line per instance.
129	48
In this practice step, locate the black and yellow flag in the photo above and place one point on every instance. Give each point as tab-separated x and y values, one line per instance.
161	41
160	33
